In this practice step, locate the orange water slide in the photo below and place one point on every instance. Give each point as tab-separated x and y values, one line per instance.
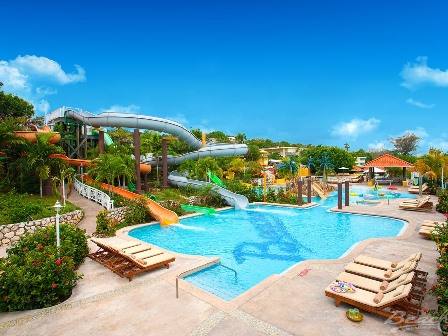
161	214
144	168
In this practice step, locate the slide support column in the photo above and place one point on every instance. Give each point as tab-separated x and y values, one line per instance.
339	195
308	181
299	191
347	193
101	142
165	162
138	182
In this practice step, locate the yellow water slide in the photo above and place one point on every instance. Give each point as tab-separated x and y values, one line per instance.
319	190
163	215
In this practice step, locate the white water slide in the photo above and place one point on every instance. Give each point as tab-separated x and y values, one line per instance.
236	200
127	120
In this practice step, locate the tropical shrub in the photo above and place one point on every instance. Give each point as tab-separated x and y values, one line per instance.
442	206
104	224
16	207
35	274
73	242
440	289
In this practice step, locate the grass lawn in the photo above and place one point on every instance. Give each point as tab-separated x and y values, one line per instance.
16	208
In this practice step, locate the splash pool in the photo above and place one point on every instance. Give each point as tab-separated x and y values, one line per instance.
263	240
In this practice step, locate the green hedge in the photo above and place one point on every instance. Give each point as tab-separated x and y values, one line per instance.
16	208
35	275
442	206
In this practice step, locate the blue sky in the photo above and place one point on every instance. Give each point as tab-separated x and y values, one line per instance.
304	71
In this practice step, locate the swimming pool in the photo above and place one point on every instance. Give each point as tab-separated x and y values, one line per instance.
263	240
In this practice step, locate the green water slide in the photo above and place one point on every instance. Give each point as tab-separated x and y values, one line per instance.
215	179
107	139
194	208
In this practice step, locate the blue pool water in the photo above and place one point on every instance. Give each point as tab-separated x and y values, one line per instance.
264	240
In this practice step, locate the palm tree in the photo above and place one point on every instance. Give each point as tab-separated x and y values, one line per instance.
67	173
346	146
107	167
325	163
37	160
237	165
290	166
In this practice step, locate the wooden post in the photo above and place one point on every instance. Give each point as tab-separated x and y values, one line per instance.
404	173
299	191
101	142
138	182
309	189
85	142
347	193
339	195
145	183
165	162
78	141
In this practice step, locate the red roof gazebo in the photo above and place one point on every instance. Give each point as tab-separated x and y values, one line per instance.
388	161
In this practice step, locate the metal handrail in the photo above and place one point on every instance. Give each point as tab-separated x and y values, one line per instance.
94	194
180	275
231	269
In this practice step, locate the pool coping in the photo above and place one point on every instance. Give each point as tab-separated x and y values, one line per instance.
290	272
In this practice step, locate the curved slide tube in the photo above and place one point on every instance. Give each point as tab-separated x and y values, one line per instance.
236	200
115	119
161	214
213	150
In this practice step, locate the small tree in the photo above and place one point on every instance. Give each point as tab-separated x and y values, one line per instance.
14	106
405	144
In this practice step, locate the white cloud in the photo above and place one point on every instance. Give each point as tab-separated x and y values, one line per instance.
355	127
419	73
132	108
419	104
43	67
42	106
32	77
378	146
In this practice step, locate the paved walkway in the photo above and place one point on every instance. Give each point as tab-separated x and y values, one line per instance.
284	304
90	209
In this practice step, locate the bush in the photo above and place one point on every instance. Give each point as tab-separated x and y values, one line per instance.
73	242
136	213
16	208
104	224
35	275
440	289
442	206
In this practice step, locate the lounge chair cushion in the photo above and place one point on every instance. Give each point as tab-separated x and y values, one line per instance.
384	285
378	297
399	290
388	273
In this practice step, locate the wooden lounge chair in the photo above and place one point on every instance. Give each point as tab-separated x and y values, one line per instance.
381	286
433	224
422	204
380	274
129	258
427	232
386	264
401	300
416	189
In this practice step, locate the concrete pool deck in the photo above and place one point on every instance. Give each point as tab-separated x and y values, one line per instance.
291	303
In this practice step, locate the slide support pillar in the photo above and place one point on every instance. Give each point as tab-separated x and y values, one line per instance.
101	142
339	195
138	182
308	181
299	191
347	193
165	162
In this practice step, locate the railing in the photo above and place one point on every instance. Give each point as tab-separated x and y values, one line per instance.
181	275
94	194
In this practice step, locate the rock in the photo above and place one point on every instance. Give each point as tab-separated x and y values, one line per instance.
20	231
9	234
15	239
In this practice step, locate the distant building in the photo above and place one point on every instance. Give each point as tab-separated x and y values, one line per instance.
284	151
231	138
360	161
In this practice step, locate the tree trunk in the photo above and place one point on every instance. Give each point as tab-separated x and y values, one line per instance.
41	188
47	189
